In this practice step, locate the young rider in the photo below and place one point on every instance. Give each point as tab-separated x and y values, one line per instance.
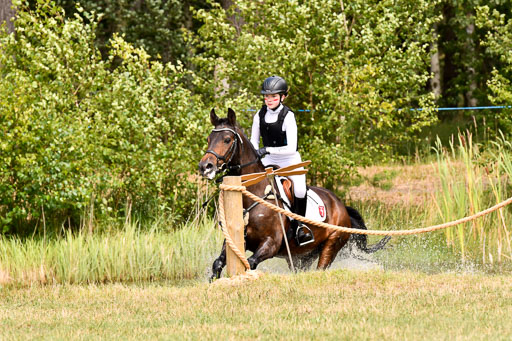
276	125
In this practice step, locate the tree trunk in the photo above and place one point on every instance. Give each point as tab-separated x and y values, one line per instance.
235	19
435	67
471	73
7	14
449	63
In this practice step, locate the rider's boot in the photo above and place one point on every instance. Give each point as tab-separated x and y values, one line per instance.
303	234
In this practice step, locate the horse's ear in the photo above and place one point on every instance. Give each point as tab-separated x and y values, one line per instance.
214	118
231	117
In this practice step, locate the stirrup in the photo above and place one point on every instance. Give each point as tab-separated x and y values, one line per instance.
302	227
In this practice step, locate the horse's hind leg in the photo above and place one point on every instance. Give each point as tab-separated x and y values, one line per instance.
331	248
219	263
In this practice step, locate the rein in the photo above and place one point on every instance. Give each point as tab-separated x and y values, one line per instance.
232	150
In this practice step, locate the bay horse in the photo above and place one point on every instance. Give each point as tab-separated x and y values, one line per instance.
230	151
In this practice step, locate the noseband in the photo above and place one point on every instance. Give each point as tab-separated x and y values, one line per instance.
232	150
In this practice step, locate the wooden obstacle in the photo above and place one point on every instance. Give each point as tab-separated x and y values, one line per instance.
233	208
232	213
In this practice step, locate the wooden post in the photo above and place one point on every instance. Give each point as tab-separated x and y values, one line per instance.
233	210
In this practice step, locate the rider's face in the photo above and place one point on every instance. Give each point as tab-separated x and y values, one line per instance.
272	101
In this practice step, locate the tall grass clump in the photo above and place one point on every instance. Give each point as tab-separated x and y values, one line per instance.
129	254
471	181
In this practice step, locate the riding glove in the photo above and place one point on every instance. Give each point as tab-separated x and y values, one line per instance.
262	152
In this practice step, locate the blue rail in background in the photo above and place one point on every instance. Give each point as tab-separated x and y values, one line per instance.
470	108
420	109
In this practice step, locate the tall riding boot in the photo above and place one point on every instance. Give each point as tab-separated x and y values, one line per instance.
303	233
292	230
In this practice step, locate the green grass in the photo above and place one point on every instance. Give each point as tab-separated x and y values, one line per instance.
331	305
130	254
384	179
473	180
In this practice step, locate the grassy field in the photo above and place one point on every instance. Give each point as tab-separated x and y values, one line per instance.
336	304
150	282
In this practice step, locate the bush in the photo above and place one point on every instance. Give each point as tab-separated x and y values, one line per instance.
79	134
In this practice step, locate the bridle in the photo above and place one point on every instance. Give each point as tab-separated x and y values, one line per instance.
233	149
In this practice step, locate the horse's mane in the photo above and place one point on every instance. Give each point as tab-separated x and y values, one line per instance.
246	139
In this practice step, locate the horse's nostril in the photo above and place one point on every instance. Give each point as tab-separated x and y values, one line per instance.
206	168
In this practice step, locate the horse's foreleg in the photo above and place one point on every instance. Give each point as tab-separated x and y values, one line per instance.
267	249
330	249
219	263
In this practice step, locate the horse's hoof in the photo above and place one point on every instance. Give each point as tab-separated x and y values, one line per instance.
252	263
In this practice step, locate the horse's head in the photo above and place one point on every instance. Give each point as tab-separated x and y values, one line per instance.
224	145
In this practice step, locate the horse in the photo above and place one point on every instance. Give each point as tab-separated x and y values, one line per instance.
230	152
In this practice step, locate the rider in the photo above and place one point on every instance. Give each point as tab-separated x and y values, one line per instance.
276	124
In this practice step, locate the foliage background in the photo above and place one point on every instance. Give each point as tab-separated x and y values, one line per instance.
82	139
103	105
345	65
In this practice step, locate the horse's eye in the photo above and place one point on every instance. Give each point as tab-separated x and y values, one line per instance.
227	140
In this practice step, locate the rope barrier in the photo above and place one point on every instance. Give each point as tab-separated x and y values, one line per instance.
360	231
243	189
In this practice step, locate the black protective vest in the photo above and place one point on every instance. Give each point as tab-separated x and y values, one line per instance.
272	134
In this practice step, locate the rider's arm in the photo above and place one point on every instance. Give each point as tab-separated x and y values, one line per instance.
290	127
255	133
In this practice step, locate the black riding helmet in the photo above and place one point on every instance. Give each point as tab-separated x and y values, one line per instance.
274	85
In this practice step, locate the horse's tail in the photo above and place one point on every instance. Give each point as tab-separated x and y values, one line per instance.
361	239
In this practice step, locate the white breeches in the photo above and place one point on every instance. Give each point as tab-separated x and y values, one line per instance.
299	185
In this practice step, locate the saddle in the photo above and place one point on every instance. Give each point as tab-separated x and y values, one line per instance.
315	209
286	185
288	189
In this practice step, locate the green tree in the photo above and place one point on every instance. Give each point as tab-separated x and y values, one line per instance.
352	65
154	25
462	66
80	134
497	41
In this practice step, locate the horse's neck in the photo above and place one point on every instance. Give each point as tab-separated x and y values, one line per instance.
248	156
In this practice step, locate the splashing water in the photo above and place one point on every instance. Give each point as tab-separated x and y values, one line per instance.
421	253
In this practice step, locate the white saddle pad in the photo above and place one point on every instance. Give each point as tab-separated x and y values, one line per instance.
315	209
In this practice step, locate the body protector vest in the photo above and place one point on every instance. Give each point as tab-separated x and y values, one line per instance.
272	134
